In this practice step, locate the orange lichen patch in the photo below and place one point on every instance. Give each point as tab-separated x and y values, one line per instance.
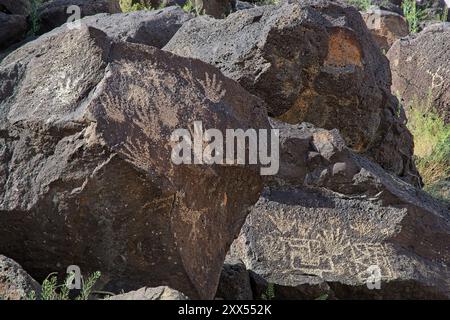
343	49
297	113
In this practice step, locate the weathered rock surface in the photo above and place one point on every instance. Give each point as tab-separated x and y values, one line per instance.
15	283
54	13
386	27
158	293
311	61
234	283
215	8
343	218
13	28
154	28
20	7
420	68
86	175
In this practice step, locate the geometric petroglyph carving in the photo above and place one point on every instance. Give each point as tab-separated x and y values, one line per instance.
330	252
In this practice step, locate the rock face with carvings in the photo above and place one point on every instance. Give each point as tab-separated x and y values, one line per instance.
86	175
420	69
311	61
345	220
386	27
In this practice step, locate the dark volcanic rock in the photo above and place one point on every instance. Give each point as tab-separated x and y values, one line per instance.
234	283
86	175
386	27
420	68
15	283
344	221
21	7
54	13
13	28
154	28
311	61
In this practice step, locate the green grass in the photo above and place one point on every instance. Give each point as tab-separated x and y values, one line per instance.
362	5
431	148
50	290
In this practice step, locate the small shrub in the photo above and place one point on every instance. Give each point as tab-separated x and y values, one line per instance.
137	5
413	15
34	18
362	5
189	6
431	148
50	290
269	294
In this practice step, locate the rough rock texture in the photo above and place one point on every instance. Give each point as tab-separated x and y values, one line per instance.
13	28
420	68
306	287
349	215
52	14
154	28
234	283
158	293
386	27
215	8
310	61
86	175
15	283
21	7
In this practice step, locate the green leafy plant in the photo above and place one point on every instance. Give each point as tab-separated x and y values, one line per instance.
322	297
362	5
413	15
189	6
269	294
50	290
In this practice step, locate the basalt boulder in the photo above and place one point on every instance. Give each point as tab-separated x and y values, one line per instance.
20	7
386	27
343	219
16	283
311	61
86	173
421	75
154	28
13	28
54	13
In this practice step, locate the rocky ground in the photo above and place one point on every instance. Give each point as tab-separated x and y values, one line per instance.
359	91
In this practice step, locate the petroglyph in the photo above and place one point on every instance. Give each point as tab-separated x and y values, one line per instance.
326	251
438	76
